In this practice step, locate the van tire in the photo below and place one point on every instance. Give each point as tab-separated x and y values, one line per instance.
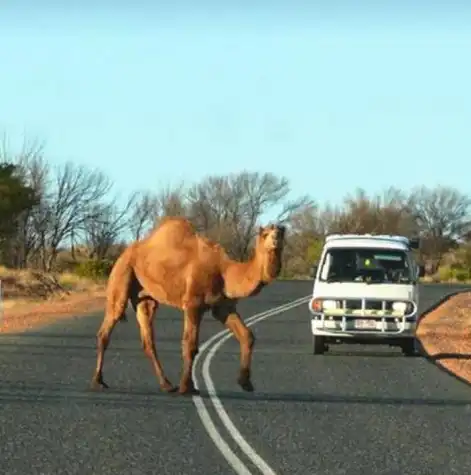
318	345
408	347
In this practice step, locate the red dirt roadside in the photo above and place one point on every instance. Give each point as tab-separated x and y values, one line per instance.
29	315
445	334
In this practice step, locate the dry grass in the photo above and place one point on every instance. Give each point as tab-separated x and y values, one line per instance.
36	285
435	279
445	334
33	298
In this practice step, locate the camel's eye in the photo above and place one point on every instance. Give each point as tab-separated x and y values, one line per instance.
263	232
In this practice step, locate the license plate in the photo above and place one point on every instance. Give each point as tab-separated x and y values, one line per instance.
365	324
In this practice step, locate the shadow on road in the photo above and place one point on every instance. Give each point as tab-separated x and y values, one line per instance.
52	349
60	335
171	345
436	359
13	392
365	353
336	399
450	356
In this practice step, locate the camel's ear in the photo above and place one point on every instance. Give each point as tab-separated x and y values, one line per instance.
261	230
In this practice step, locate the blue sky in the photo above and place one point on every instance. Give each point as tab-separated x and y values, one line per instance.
353	94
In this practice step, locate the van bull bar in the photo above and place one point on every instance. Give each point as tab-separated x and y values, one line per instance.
367	316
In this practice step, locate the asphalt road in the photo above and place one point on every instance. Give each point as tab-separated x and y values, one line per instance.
349	412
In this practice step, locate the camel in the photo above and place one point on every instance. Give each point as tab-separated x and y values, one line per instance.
176	266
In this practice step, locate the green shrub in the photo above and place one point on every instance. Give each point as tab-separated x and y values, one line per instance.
461	275
445	273
453	273
95	269
463	255
314	251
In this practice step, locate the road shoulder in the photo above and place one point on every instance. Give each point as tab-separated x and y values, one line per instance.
445	335
35	314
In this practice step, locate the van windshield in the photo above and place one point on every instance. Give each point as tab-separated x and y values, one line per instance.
366	265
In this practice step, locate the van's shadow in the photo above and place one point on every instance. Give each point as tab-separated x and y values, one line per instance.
450	356
436	359
360	353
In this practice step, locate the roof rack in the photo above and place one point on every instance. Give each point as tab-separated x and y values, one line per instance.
413	243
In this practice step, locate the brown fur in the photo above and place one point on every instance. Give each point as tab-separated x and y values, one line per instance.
178	267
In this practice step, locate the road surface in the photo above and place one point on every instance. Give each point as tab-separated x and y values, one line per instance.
350	412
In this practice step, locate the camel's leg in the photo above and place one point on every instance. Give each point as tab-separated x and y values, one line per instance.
191	328
228	316
117	295
112	316
145	311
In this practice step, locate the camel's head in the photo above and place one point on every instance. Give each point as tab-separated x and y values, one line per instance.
269	247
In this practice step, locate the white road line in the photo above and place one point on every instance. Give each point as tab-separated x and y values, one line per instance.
225	419
234	461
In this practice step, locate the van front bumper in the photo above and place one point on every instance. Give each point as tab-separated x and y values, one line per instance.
368	327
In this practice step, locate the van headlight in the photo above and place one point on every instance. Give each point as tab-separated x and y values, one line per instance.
329	304
402	307
399	306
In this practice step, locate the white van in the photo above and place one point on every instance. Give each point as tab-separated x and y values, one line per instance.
366	291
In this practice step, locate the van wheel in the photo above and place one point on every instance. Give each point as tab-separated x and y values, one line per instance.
408	347
318	345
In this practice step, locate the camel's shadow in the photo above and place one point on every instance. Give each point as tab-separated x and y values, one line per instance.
331	399
13	392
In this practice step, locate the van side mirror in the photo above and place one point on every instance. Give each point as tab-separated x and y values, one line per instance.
314	271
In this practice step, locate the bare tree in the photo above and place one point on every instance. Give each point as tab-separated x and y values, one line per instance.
31	148
68	206
443	217
148	208
172	201
292	207
388	213
396	214
306	233
144	212
214	204
229	208
104	225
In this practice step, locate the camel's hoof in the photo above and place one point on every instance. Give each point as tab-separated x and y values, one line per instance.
168	388
188	391
246	385
98	385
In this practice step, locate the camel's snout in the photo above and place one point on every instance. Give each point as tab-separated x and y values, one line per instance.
273	236
275	241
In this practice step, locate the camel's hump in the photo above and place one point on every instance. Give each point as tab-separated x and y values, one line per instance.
176	221
175	225
183	227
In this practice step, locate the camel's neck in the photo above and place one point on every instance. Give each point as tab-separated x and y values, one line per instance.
243	279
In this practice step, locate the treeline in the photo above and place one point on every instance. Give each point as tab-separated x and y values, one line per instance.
67	218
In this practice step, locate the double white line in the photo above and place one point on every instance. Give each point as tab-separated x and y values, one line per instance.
216	342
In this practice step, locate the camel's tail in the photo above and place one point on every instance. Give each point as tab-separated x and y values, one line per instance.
119	285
